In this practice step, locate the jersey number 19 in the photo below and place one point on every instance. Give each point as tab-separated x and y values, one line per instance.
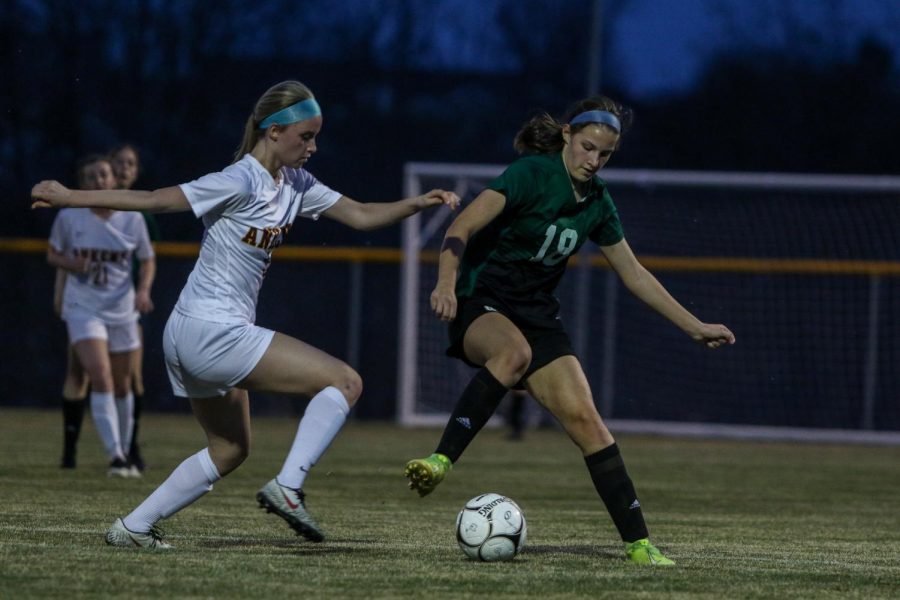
568	239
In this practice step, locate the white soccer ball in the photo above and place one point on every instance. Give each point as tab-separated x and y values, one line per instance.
491	527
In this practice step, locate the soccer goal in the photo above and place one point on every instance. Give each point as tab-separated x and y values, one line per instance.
805	269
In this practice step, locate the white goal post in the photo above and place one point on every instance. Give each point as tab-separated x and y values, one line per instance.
849	257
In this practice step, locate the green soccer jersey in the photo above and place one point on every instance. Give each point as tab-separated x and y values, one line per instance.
520	257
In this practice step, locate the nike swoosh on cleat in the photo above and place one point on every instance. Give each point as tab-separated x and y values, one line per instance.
288	500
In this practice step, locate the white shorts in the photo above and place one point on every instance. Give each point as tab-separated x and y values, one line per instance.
206	359
123	337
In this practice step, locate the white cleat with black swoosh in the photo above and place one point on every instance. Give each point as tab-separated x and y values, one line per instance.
122	537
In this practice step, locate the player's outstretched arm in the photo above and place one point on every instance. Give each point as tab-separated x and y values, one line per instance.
52	194
372	215
645	286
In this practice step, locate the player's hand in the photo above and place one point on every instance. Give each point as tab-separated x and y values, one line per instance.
142	302
443	302
50	194
713	335
438	197
80	265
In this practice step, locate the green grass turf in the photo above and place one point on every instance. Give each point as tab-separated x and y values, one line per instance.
743	520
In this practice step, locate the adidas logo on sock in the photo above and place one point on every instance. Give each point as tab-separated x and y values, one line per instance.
634	504
464	421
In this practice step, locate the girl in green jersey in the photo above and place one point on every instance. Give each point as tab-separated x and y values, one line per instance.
500	263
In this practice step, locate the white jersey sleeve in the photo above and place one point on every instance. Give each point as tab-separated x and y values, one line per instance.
144	249
317	197
59	232
217	192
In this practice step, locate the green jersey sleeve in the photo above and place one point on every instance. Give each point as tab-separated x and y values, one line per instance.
609	230
518	184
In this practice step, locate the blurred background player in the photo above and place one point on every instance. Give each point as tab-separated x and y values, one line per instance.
520	415
126	163
214	350
500	263
516	414
75	386
100	305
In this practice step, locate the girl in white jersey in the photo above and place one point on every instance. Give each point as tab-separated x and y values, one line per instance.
92	175
214	352
126	164
100	307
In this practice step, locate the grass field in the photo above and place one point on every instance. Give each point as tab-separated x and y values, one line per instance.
742	520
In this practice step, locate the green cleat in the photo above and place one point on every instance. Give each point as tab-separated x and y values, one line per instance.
642	552
425	473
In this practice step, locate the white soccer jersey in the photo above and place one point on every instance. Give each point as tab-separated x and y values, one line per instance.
246	214
106	291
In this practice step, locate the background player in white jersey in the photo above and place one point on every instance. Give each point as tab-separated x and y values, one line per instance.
214	351
100	305
126	163
91	174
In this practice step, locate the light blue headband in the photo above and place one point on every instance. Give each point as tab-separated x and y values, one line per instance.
305	109
598	116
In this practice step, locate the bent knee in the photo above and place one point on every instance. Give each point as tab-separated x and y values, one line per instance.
75	388
583	419
350	385
121	388
510	365
228	456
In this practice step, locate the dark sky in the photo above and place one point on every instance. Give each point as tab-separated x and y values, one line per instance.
652	46
653	52
663	45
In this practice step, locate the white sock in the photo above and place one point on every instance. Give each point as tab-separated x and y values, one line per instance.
106	421
190	480
125	408
321	422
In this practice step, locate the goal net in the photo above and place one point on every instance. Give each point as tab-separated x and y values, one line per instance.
805	269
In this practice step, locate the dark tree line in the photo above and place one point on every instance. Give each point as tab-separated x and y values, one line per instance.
179	79
771	112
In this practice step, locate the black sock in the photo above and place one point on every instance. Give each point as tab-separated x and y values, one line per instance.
138	402
615	488
473	409
73	415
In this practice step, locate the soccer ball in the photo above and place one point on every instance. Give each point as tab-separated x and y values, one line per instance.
491	527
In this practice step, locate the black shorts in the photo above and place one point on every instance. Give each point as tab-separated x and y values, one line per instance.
548	340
